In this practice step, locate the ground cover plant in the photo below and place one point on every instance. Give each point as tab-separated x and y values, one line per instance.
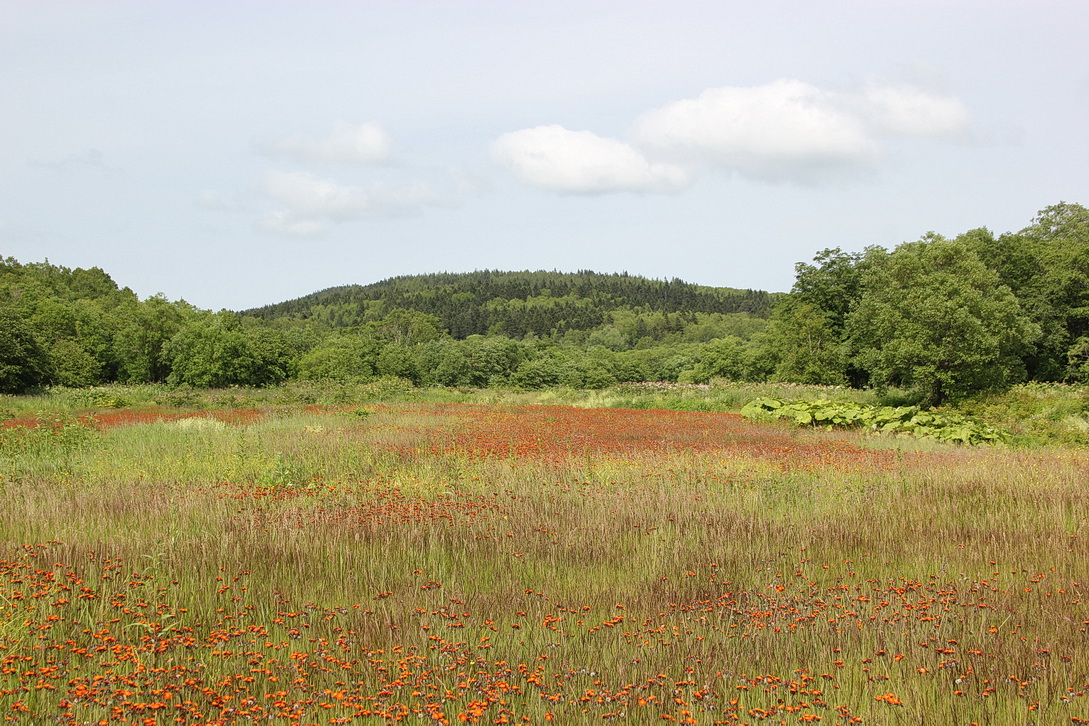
449	562
905	420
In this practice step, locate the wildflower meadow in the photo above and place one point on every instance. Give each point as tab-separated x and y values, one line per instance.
415	562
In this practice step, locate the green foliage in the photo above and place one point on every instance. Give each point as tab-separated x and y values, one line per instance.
1078	360
396	361
491	359
1059	237
716	396
91	331
1037	413
832	286
102	397
939	320
726	358
589	372
181	397
73	366
23	362
408	327
444	363
939	426
341	358
517	304
217	352
538	373
1046	265
934	318
804	343
389	387
143	331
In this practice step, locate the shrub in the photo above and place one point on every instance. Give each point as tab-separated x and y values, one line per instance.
939	426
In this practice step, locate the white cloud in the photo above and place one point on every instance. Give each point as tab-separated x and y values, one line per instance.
307	199
557	159
782	130
904	110
364	144
786	130
308	196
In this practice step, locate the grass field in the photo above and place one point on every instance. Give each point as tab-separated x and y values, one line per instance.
510	562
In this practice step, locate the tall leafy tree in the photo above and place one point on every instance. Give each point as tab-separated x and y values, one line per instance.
24	364
1059	238
832	285
805	343
214	352
725	357
408	327
491	359
443	363
343	358
1046	265
807	339
73	365
143	331
1078	360
933	318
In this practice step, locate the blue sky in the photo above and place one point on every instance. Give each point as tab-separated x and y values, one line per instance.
241	153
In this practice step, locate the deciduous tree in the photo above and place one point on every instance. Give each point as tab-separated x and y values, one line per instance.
24	364
934	318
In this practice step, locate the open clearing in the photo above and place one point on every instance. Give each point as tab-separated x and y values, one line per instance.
522	564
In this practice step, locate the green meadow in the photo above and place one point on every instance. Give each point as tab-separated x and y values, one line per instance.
392	555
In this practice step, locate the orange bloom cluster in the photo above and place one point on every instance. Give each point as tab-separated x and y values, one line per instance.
560	434
98	643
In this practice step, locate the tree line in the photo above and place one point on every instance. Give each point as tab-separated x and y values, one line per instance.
938	318
944	318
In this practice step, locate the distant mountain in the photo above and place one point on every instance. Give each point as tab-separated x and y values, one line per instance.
517	303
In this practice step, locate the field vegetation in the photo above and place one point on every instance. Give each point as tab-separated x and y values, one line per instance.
940	320
378	553
532	497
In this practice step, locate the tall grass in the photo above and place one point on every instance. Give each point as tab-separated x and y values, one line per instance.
457	563
719	395
1051	413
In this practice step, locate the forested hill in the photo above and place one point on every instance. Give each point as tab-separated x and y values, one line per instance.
515	304
940	318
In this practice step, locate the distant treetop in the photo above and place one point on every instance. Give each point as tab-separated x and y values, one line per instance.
516	303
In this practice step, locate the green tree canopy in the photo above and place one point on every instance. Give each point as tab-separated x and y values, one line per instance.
214	352
832	285
24	364
934	318
805	344
1046	265
344	358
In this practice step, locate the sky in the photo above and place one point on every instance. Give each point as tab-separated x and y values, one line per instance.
240	153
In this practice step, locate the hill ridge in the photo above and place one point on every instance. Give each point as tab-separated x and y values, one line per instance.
515	303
